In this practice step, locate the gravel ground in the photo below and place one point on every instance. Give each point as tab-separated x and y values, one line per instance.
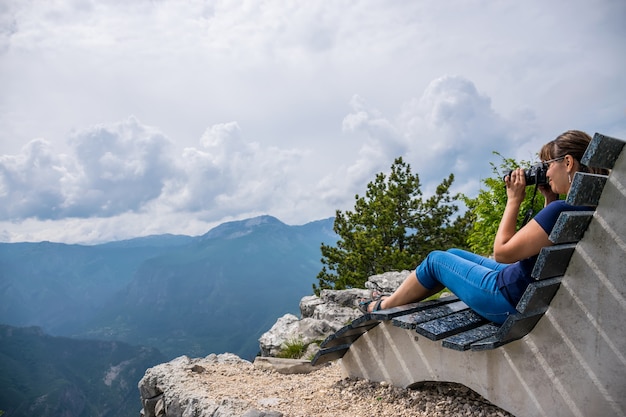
326	392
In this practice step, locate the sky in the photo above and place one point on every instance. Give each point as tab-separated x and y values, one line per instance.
121	119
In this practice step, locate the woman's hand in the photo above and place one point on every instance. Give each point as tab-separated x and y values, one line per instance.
516	186
511	246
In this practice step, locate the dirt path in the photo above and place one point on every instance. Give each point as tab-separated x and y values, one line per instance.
326	392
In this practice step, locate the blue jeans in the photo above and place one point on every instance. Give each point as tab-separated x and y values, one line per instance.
470	277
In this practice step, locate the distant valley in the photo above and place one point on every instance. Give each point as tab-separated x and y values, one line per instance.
47	376
178	295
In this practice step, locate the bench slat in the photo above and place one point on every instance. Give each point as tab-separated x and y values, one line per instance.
602	151
410	321
391	313
450	325
330	354
515	327
570	226
586	189
348	334
552	261
463	341
538	295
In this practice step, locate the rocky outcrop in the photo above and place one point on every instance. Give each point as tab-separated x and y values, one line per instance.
169	390
165	393
324	315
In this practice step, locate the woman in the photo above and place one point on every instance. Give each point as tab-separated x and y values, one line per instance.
493	287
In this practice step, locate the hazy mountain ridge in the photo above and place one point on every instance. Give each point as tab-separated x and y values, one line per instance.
219	293
161	290
57	286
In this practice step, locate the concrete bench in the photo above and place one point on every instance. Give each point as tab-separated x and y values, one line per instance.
449	323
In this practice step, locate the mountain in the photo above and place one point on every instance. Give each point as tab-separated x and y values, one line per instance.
220	293
59	287
47	376
183	295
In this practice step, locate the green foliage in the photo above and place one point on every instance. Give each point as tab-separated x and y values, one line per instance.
391	228
486	209
292	349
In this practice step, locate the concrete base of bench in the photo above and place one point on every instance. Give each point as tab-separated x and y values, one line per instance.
529	377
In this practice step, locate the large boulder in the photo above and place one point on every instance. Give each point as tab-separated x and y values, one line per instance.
386	283
166	390
290	328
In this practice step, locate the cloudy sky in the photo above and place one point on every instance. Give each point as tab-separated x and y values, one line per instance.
129	118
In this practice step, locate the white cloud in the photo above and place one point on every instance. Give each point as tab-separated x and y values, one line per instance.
29	182
452	125
230	174
113	169
287	108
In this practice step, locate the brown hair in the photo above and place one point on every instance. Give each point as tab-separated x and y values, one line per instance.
573	143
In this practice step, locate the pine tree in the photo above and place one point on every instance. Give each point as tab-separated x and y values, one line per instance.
391	228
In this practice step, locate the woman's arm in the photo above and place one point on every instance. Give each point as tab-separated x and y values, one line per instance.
511	246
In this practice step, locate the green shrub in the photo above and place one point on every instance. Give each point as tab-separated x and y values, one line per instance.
292	349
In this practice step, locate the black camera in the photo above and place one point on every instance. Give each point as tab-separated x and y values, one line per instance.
535	175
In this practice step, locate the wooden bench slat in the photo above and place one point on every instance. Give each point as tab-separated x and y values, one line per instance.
586	189
410	321
449	325
538	295
488	343
570	226
602	151
348	334
515	327
463	341
330	354
391	313
552	261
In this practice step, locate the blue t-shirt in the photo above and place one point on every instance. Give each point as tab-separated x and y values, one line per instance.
514	279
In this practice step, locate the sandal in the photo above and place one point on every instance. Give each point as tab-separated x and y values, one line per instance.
364	304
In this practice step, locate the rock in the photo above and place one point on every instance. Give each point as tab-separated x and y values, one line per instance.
309	304
387	282
166	390
311	351
285	328
286	366
257	413
289	328
324	315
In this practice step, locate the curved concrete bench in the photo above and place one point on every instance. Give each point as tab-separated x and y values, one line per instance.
563	354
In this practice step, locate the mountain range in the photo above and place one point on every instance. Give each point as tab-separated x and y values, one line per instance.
172	295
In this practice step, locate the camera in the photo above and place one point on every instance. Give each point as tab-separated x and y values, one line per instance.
535	175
